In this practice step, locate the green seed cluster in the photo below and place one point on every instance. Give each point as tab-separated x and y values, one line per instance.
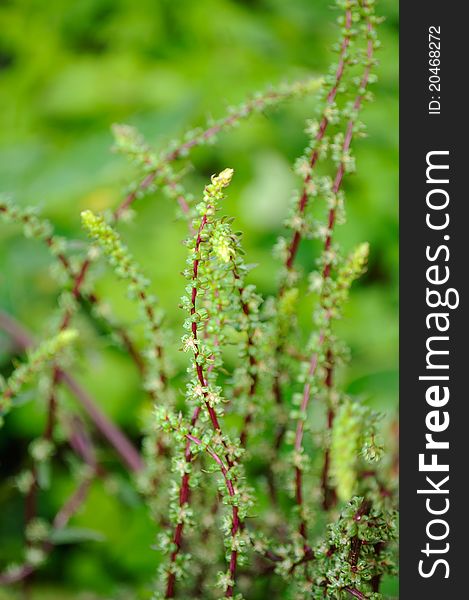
127	269
33	225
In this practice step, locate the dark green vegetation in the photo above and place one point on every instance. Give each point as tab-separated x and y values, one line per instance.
66	75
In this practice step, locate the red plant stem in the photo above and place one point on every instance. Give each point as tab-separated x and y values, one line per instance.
24	340
355	547
184	497
72	505
325	275
355	593
252	365
184	488
252	359
329	496
31	496
78	279
303	201
132	350
106	427
198	367
224	470
236	523
184	147
78	282
210	409
123	446
356	543
80	441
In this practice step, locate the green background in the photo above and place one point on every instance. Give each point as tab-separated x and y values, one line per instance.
70	70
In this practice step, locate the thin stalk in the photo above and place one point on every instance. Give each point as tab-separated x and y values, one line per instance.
325	276
253	366
205	135
185	480
116	438
77	280
236	522
31	496
303	201
355	593
250	345
329	497
184	498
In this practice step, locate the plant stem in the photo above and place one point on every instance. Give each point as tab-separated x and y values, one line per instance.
123	446
355	593
184	486
236	523
205	135
325	276
253	364
31	496
184	497
302	205
356	543
211	411
303	201
115	436
329	497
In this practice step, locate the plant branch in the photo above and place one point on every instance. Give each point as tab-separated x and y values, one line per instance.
324	122
302	205
326	275
125	449
329	497
202	136
355	593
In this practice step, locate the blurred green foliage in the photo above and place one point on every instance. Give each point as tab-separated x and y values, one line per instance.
67	72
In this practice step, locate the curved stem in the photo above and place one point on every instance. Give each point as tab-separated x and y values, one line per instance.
118	440
303	200
355	593
255	105
325	276
329	497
